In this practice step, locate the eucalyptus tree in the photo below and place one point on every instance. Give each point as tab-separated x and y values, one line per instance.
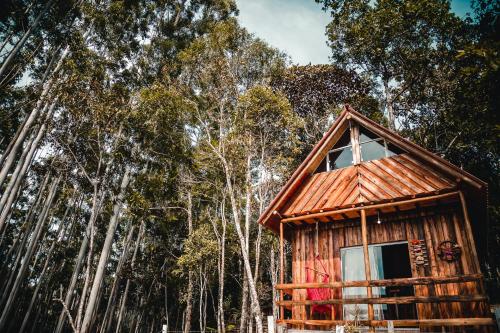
101	57
269	133
233	62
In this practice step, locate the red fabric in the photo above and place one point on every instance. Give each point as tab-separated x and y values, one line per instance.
318	294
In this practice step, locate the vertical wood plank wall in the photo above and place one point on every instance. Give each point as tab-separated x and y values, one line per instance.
433	226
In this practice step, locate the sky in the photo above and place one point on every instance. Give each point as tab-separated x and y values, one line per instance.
298	26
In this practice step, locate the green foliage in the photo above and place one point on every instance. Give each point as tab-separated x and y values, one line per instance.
200	248
267	117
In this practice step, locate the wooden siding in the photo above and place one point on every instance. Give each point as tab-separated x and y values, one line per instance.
392	178
432	226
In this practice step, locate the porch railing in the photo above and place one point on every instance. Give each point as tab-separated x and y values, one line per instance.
476	321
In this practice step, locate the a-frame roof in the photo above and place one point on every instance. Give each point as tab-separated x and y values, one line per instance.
415	173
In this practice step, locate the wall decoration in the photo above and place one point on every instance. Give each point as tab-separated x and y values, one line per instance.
449	250
418	252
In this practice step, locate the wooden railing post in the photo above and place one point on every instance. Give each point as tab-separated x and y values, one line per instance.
282	273
366	255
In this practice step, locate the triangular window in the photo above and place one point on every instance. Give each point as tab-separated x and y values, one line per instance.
340	156
367	147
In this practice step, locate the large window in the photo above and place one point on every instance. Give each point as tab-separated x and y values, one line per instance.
387	261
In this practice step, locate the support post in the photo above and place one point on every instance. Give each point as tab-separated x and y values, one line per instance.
469	232
356	151
475	259
366	255
282	274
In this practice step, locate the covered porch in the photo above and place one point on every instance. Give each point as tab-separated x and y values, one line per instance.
441	295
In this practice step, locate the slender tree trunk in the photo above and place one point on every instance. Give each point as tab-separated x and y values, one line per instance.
97	200
246	260
248	213
202	300
42	274
20	171
20	129
220	309
23	39
221	246
274	281
6	40
127	286
110	308
88	274
189	298
35	321
99	275
27	223
18	256
391	119
74	278
36	234
11	155
257	252
244	303
27	230
258	241
6	286
11	143
165	299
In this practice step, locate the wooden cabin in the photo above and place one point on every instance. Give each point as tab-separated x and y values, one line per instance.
381	234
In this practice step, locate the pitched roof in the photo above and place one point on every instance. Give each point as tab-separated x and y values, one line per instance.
392	178
418	172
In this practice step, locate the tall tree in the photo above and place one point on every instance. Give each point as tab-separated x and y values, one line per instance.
397	43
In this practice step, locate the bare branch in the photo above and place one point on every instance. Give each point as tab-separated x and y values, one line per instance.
66	310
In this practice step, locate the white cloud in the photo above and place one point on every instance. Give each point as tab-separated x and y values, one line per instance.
294	26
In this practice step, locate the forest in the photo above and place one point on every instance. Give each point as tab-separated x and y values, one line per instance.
141	140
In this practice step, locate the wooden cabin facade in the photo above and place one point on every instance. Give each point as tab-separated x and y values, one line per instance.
381	233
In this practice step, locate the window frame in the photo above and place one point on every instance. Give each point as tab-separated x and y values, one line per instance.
335	150
370	245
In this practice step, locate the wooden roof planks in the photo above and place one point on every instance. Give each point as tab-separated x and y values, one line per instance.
369	182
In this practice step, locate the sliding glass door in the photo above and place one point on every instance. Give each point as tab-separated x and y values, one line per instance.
387	261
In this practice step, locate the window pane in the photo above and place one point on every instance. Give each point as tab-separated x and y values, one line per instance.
340	158
344	140
373	150
366	135
353	269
